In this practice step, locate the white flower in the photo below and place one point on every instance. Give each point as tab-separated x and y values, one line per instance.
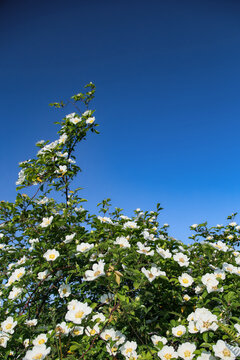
186	350
119	337
78	313
237	259
205	320
111	350
237	327
124	217
108	334
122	242
181	259
205	356
86	113
106	298
79	209
15	293
48	147
77	330
40	340
64	290
61	170
18	273
198	289
164	253
75	120
147	236
21	177
194	226
90	120
192	327
8	325
43	275
232	224
157	339
167	353
22	260
46	221
220	246
51	255
26	343
33	241
142	249
178	330
153	272
3	339
63	139
92	331
84	247
37	353
222	351
97	270
69	238
99	316
105	219
229	267
63	155
130	225
185	280
234	349
62	328
186	297
32	322
128	348
219	274
70	116
210	281
44	200
72	305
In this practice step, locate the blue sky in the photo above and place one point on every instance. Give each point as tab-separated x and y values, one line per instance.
168	84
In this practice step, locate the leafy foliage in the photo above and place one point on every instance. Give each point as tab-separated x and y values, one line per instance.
75	285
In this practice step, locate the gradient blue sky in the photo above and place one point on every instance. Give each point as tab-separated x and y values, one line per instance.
168	86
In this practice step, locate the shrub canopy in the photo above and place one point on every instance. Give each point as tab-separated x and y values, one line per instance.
75	285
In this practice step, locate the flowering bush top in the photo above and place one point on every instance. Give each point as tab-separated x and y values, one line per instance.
80	286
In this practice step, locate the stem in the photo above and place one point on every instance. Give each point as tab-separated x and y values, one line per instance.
60	346
95	338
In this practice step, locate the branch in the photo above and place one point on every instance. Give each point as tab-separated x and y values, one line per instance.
95	338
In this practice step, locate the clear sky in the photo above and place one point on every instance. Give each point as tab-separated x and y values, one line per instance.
168	85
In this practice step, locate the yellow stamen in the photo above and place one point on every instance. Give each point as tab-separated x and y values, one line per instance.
226	352
79	314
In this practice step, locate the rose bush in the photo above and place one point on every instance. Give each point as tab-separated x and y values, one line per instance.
80	286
